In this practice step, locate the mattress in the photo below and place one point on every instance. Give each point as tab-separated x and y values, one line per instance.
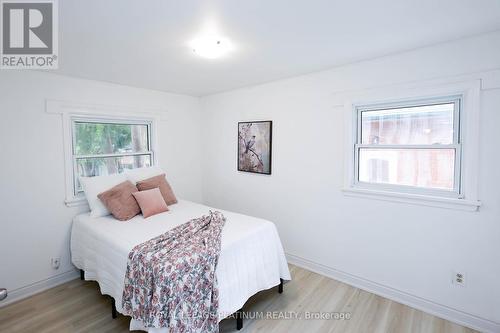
251	259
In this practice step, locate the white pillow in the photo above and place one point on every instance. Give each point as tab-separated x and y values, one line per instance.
92	186
136	175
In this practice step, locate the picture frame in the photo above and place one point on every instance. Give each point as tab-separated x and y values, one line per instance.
255	146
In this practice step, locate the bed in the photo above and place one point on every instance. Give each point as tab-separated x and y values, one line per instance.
251	258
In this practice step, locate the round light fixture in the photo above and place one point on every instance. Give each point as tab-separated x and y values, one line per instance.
211	46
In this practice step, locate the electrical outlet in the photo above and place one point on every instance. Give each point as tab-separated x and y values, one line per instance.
55	262
459	278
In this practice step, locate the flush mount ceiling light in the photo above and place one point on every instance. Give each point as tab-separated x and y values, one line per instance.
211	46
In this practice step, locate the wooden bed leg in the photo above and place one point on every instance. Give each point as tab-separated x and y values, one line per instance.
239	319
113	308
280	287
82	274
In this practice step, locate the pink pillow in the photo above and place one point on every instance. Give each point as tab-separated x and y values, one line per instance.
120	202
160	182
151	202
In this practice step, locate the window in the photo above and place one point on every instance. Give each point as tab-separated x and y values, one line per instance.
411	147
104	147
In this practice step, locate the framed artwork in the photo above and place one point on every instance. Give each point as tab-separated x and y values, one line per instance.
254	146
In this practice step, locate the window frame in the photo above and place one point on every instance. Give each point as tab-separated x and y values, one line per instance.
67	109
467	86
106	120
456	192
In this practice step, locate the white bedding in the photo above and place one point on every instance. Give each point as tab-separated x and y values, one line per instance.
251	259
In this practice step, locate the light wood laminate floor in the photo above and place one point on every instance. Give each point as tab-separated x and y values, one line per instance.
78	306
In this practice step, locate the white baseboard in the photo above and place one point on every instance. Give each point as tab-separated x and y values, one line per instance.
38	287
438	310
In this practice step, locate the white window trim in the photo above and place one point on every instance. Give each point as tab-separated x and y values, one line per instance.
69	111
469	91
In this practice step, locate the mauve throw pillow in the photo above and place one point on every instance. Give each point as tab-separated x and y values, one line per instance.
120	201
159	182
151	202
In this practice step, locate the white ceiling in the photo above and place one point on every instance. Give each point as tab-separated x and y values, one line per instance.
145	43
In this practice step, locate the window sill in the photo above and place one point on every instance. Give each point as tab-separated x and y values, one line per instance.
423	200
75	202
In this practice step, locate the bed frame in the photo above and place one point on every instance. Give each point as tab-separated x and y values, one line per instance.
238	315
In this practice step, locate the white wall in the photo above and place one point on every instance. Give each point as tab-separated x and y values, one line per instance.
35	223
411	249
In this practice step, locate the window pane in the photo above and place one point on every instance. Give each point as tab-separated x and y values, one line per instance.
429	168
90	167
101	138
429	124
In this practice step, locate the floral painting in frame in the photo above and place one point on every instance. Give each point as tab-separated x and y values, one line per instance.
254	146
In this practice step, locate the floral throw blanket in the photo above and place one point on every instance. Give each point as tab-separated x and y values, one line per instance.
170	280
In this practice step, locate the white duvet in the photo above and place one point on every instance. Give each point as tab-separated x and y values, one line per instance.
251	259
